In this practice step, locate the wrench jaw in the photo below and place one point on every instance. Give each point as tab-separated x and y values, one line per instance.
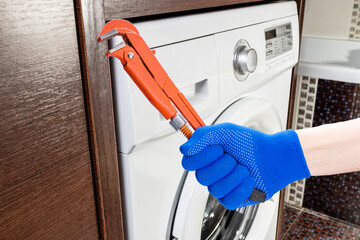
115	28
108	35
118	50
121	52
117	47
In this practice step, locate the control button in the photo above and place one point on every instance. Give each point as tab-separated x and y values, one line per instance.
268	45
289	38
268	53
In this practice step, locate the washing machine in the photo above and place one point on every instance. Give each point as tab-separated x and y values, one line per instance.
232	65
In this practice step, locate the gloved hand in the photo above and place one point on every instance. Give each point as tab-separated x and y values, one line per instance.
231	160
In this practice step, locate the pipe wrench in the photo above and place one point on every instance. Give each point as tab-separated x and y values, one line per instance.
144	69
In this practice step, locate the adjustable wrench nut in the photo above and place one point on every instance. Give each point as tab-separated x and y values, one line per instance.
177	122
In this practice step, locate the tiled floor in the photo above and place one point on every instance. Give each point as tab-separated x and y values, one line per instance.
301	223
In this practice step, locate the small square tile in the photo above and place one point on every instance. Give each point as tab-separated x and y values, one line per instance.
310	99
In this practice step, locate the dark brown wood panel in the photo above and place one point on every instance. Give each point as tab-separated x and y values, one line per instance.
46	185
96	74
136	8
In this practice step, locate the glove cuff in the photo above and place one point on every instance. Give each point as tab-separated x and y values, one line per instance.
283	160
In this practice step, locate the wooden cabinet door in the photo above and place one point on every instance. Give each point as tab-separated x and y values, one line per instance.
46	183
139	8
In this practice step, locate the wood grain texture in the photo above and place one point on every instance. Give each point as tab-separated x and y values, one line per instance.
136	8
98	91
46	185
301	8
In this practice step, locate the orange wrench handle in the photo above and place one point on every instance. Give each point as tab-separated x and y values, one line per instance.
141	77
148	74
163	80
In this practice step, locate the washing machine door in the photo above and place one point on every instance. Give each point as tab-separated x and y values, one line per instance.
200	216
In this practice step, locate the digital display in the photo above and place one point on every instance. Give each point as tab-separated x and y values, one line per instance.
278	40
270	34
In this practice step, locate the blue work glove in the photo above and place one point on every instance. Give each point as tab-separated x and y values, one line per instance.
231	160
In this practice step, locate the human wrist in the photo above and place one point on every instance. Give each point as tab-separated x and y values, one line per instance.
332	148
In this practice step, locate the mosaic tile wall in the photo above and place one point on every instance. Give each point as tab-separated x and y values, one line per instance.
338	195
303	118
355	21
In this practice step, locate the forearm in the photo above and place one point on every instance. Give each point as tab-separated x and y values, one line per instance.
332	148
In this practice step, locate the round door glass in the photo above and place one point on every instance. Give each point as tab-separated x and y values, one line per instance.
222	224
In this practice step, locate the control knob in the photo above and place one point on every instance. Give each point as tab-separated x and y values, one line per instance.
244	61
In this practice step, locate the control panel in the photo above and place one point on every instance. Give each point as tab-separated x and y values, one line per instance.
278	40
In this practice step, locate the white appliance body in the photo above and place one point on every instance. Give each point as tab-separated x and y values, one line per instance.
197	53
